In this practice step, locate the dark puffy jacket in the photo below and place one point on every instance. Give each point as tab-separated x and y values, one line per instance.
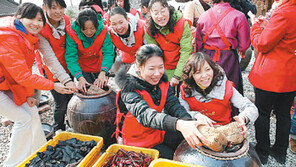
244	6
134	103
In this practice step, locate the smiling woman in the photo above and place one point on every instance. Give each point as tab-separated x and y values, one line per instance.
33	25
127	33
168	29
17	54
89	50
39	2
153	117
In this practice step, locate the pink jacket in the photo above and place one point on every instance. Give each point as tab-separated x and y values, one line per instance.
235	27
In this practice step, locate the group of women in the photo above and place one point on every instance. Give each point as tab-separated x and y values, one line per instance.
157	61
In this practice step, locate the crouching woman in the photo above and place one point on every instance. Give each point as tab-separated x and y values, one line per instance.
208	94
149	114
18	38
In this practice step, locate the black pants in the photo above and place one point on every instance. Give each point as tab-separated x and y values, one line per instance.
169	145
61	101
281	104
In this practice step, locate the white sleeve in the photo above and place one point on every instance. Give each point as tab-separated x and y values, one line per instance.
51	61
246	108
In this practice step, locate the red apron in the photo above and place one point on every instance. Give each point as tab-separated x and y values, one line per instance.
170	44
58	47
221	33
216	110
90	59
128	53
134	133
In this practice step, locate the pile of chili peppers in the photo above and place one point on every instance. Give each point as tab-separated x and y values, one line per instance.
124	158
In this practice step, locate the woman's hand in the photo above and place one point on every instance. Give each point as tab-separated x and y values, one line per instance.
82	83
62	88
174	82
190	132
242	54
102	80
71	85
262	21
203	120
242	124
31	101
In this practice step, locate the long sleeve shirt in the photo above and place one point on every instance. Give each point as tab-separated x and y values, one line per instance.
235	27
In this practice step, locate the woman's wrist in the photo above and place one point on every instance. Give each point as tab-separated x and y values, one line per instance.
81	77
103	72
178	124
67	81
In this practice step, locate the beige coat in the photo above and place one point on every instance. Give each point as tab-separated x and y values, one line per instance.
193	10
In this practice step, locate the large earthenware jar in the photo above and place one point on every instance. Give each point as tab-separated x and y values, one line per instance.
93	114
246	156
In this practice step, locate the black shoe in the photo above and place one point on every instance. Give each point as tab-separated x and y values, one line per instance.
279	156
263	158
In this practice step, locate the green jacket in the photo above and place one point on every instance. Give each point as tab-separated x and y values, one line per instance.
71	54
186	48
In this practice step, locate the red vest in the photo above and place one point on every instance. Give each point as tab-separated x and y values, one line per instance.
58	47
134	12
128	53
134	133
89	59
170	44
217	110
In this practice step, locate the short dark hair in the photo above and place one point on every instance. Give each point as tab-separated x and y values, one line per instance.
117	10
85	15
147	51
84	4
193	64
126	5
91	2
218	1
29	10
145	3
49	3
151	24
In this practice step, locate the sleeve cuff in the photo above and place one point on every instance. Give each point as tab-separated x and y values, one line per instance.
67	82
77	75
170	123
105	69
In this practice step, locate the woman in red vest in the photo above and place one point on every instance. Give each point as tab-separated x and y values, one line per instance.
149	115
207	93
89	49
126	6
52	42
274	77
127	34
97	5
168	29
224	33
18	38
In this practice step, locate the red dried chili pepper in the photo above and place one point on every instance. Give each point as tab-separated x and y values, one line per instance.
128	158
